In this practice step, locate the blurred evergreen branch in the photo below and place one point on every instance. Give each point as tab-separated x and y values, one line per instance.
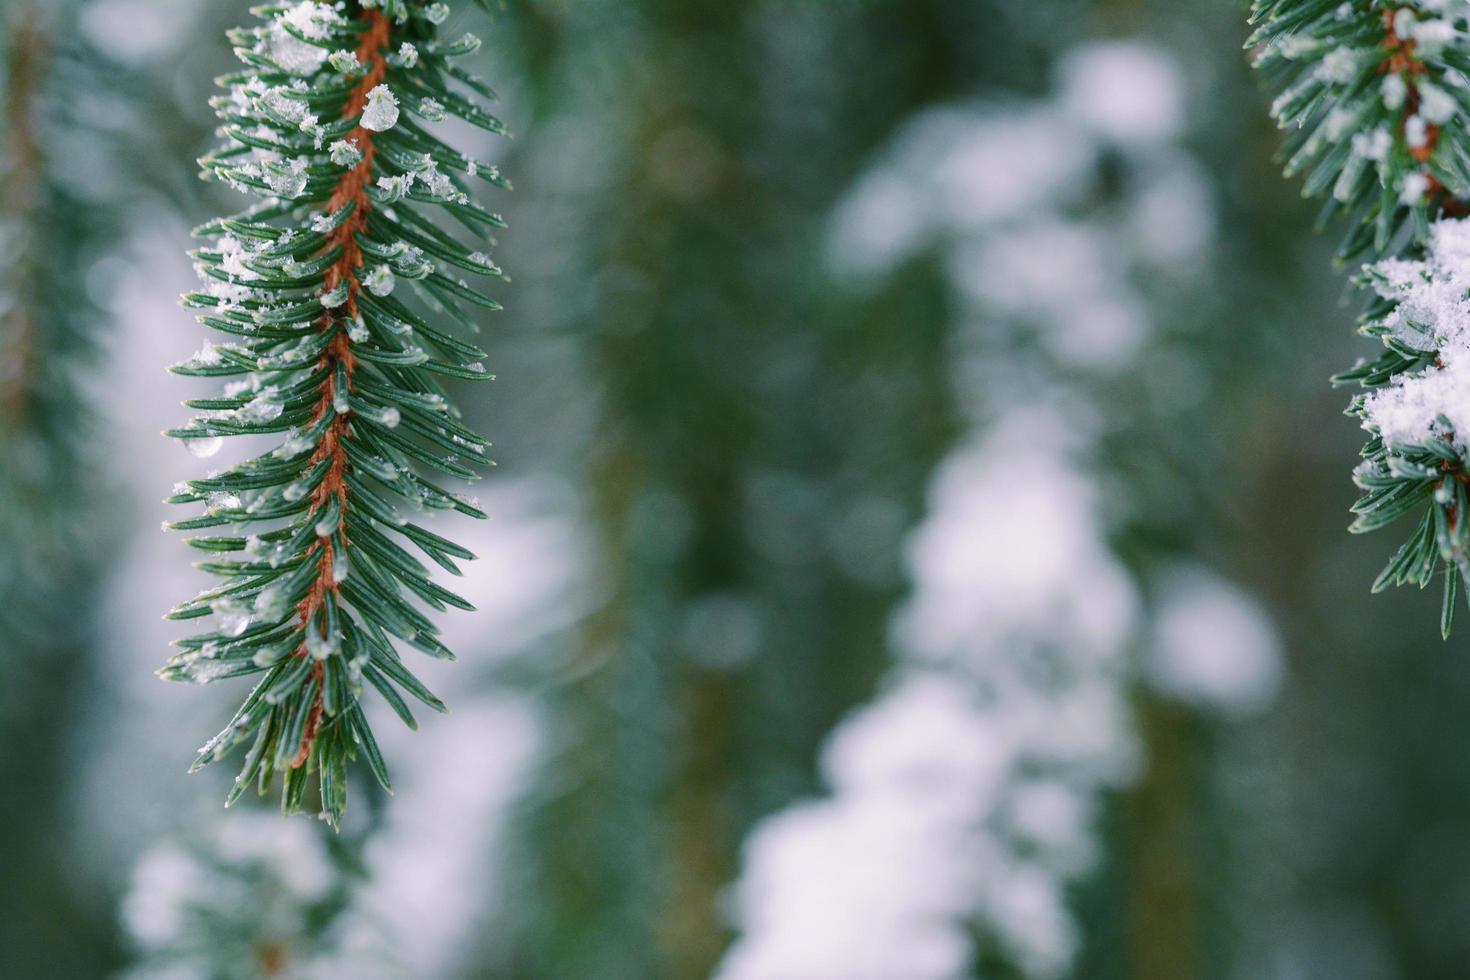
326	125
250	899
49	325
54	225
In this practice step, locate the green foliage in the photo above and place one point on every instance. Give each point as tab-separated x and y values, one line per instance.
1372	93
325	354
1377	95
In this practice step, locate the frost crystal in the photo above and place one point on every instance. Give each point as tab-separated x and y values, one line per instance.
287	178
335	296
406	57
394	188
345	62
294	446
345	153
234	616
380	281
320	647
382	110
271	602
437	183
264	407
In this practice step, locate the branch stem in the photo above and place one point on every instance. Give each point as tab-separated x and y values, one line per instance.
351	190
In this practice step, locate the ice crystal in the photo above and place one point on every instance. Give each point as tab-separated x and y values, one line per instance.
382	110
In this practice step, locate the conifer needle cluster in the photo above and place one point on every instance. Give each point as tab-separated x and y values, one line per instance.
340	300
1376	96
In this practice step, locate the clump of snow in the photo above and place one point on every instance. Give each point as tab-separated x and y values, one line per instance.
336	296
165	881
1127	91
394	188
1058	579
345	153
1431	313
380	281
1013	227
1373	146
286	178
310	20
1434	403
264	407
345	62
261	877
382	110
1435	104
406	56
1340	66
234	615
314	21
1212	645
1431	36
952	171
1395	91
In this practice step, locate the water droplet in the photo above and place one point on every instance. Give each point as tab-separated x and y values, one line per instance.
204	448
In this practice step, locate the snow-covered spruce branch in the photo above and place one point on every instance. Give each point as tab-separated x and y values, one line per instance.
326	125
1378	94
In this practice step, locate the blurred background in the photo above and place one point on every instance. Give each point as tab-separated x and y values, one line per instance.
918	545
